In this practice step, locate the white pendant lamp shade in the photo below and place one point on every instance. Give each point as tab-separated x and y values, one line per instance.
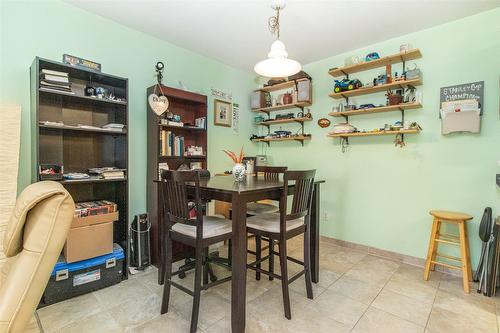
277	64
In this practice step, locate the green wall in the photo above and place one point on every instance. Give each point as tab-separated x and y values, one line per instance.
379	195
50	28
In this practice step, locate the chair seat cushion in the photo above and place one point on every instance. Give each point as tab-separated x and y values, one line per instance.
256	208
212	226
271	222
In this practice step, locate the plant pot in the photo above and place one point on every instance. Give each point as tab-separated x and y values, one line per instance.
239	172
287	98
395	99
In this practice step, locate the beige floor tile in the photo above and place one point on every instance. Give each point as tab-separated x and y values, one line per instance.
338	307
56	316
254	289
273	300
167	323
357	290
418	290
407	272
454	285
136	311
212	309
100	322
339	260
451	313
327	278
253	325
299	286
373	270
121	293
403	307
177	297
378	321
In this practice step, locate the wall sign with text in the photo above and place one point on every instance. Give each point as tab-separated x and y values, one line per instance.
473	90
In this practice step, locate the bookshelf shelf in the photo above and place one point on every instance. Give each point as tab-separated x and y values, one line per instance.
92	181
80	129
81	97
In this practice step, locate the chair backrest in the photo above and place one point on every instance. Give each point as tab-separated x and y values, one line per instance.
302	194
34	238
270	172
10	136
176	202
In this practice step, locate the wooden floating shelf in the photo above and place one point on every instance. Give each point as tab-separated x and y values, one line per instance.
392	59
284	121
82	129
371	90
97	100
345	135
294	138
299	105
388	108
281	86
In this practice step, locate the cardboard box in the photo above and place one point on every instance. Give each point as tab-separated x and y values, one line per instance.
90	237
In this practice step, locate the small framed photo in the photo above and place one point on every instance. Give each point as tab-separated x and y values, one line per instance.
223	112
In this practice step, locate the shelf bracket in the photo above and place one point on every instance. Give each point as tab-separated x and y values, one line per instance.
344	143
346	117
346	74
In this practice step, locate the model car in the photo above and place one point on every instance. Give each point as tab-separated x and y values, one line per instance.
347	84
372	56
366	106
282	134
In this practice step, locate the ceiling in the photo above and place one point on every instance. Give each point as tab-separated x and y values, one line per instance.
235	32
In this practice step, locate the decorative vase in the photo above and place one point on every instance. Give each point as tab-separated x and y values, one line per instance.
239	172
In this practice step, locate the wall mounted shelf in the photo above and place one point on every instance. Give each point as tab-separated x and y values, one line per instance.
300	138
375	89
346	135
281	86
300	105
388	108
392	59
284	121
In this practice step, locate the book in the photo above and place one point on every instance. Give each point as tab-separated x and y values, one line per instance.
55	84
52	72
57	90
55	78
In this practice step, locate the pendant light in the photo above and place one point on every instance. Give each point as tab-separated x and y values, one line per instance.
277	64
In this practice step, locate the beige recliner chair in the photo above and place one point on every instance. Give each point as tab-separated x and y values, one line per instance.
33	241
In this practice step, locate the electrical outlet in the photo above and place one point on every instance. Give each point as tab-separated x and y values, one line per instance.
324	216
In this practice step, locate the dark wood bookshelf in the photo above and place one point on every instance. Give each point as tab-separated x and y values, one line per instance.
189	106
79	149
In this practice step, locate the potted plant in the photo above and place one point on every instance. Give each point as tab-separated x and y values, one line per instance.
238	168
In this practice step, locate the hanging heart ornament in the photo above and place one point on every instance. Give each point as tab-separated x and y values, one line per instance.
159	104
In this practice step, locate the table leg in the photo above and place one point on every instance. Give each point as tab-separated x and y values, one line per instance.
315	212
239	265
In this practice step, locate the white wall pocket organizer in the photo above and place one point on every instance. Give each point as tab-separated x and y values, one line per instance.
460	116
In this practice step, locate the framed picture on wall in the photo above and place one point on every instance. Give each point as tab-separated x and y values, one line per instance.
223	113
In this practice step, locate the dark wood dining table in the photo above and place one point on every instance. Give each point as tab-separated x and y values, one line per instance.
224	188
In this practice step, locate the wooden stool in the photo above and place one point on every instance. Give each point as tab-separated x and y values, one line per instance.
462	241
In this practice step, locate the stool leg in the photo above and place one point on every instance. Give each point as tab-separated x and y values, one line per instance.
463	250
468	251
436	235
431	250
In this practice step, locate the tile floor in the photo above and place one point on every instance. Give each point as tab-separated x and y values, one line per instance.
357	293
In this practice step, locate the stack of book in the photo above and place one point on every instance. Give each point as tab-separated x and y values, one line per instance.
54	80
92	208
108	172
171	145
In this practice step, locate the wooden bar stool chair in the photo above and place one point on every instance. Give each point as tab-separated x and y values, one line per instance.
462	241
199	232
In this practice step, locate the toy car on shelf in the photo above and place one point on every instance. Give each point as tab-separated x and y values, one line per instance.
366	106
372	56
346	84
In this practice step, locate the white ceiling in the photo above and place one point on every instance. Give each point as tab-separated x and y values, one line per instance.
235	31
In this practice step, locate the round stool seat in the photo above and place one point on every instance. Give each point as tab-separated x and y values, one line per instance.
450	216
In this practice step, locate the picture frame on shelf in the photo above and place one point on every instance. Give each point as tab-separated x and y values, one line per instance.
223	113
